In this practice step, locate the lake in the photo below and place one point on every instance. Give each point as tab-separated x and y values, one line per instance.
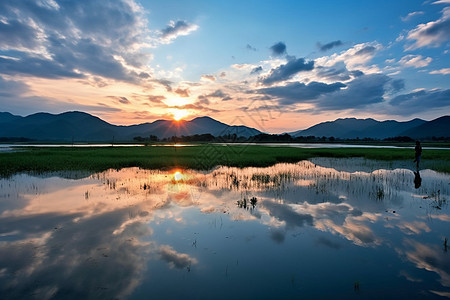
322	228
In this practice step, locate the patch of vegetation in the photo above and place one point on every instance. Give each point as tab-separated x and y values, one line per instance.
205	156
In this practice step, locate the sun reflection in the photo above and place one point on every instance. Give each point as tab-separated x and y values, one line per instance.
178	176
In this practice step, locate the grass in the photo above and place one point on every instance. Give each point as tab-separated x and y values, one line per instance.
206	156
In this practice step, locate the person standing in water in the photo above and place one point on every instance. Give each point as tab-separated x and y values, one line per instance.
418	154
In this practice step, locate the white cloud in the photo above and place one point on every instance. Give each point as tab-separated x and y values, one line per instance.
441	2
411	15
444	71
415	61
431	34
356	57
176	29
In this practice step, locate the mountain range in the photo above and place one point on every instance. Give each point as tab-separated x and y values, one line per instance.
80	126
351	128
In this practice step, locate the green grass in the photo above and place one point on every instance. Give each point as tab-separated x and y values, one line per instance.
206	156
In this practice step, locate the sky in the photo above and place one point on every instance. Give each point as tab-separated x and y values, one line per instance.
278	66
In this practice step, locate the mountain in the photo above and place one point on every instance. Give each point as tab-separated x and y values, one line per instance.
6	117
351	128
439	127
80	126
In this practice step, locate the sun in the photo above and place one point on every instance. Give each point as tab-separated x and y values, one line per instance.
178	176
179	114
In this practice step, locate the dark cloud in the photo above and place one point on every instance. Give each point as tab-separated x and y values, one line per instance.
176	29
250	47
216	94
11	88
208	77
182	92
360	92
278	49
366	50
396	85
165	83
278	236
15	34
356	73
297	92
286	71
256	70
72	38
416	102
327	242
120	99
175	259
156	99
72	251
329	46
287	214
338	72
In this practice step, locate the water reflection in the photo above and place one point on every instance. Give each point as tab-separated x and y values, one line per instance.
133	232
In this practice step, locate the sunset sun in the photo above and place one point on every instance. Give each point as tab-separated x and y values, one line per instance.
179	114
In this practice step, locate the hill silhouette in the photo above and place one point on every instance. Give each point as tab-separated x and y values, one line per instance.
80	126
83	127
352	128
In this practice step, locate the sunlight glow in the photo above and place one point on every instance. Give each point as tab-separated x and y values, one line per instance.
178	176
179	114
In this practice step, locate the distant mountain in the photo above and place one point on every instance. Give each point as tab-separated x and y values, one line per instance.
80	126
6	117
439	127
351	128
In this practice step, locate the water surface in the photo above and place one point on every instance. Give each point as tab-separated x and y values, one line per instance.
323	228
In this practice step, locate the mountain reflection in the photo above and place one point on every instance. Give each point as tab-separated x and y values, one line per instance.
66	238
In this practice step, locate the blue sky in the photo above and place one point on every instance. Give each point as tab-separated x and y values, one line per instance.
274	65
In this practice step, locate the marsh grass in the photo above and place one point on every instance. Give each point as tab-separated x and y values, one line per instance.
95	159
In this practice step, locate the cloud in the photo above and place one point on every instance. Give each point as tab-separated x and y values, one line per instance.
182	92
278	49
89	249
208	77
429	258
444	71
11	88
431	34
250	47
74	38
216	94
356	57
411	15
155	99
329	46
123	100
415	61
256	70
441	2
287	214
176	29
360	92
288	70
175	259
14	98
338	72
366	50
419	101
297	92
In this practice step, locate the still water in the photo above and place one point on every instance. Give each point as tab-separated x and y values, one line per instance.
321	229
